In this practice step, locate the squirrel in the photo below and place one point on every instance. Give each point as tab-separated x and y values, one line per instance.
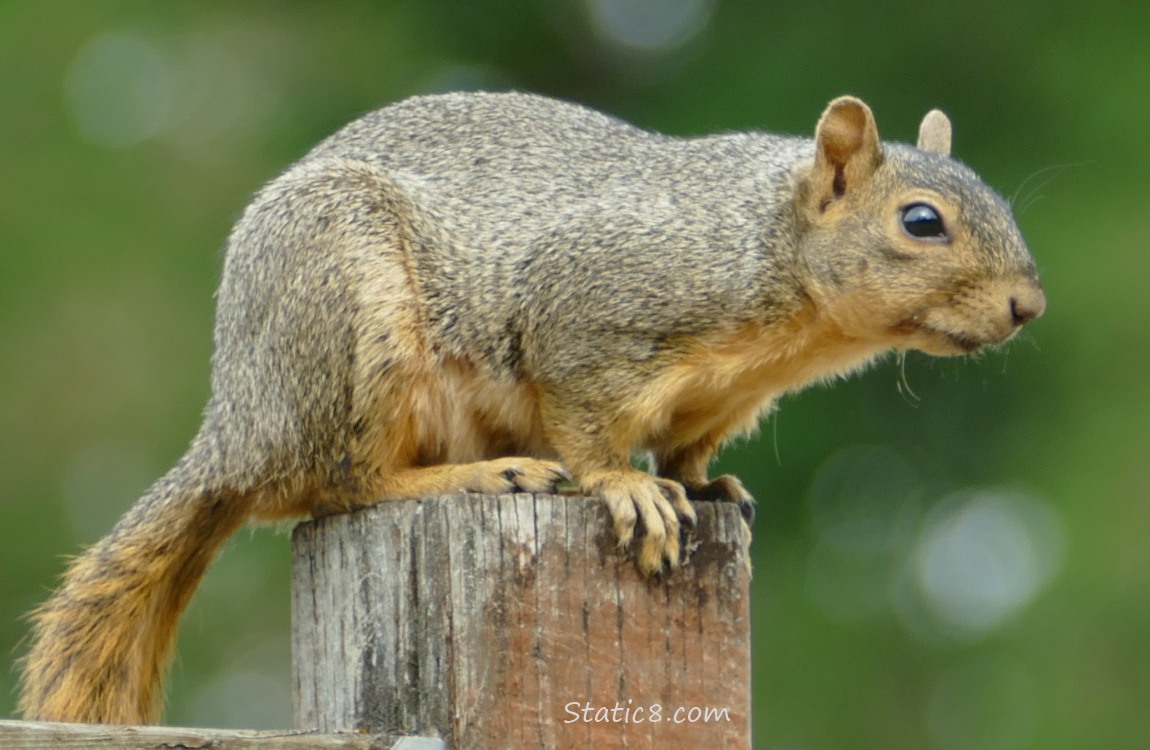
493	293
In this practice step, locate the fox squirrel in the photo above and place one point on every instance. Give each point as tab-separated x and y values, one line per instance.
484	292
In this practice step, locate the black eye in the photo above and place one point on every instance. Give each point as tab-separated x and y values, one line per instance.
921	220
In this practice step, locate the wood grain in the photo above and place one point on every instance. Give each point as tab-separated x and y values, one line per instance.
495	621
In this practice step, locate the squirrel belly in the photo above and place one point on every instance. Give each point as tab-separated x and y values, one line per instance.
502	292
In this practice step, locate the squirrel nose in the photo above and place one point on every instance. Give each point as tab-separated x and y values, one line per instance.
1026	305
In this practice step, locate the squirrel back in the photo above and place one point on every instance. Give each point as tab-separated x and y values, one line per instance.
502	292
606	224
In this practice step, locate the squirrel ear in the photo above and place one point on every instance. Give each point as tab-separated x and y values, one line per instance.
847	145
935	132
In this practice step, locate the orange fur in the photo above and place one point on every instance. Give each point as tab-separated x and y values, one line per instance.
724	384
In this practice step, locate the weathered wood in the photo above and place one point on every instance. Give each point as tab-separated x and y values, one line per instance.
495	622
37	735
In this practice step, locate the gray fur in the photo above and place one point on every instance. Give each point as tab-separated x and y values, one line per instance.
455	289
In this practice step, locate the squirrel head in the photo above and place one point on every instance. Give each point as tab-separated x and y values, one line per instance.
905	246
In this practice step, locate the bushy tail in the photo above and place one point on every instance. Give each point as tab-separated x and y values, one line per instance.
100	644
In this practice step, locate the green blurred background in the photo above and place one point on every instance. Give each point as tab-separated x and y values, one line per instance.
949	554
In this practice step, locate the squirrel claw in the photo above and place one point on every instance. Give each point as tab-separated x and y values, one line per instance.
726	489
676	495
529	475
649	511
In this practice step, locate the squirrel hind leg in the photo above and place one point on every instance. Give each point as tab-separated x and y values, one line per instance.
498	476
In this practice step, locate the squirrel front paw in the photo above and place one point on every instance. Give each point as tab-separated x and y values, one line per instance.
654	509
725	489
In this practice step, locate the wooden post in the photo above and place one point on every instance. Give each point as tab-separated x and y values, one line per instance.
515	622
41	735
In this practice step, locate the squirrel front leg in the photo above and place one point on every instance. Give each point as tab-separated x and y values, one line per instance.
688	466
597	451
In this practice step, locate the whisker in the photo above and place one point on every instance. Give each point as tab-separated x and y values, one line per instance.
1033	194
903	385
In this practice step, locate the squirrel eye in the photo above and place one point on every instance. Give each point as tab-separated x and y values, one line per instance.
921	220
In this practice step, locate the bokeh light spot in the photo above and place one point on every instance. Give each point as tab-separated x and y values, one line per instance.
863	500
984	555
649	25
119	90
